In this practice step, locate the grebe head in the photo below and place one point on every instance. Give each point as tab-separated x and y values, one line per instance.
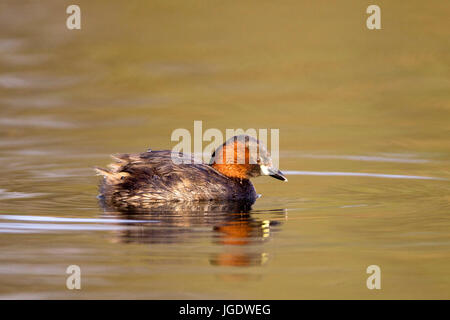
244	157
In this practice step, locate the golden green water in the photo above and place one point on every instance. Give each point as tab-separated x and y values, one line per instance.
345	99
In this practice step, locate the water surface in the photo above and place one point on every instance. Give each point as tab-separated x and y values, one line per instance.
364	134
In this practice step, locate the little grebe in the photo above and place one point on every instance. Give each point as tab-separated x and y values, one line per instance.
139	180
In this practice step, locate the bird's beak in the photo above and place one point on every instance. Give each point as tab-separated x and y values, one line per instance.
277	174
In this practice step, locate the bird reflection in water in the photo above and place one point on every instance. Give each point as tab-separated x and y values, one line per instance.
235	227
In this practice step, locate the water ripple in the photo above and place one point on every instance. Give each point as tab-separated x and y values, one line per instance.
400	159
21	227
60	219
17	195
76	224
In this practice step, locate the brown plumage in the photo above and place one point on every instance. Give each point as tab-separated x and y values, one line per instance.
140	180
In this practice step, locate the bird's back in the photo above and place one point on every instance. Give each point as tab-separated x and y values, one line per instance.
140	180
